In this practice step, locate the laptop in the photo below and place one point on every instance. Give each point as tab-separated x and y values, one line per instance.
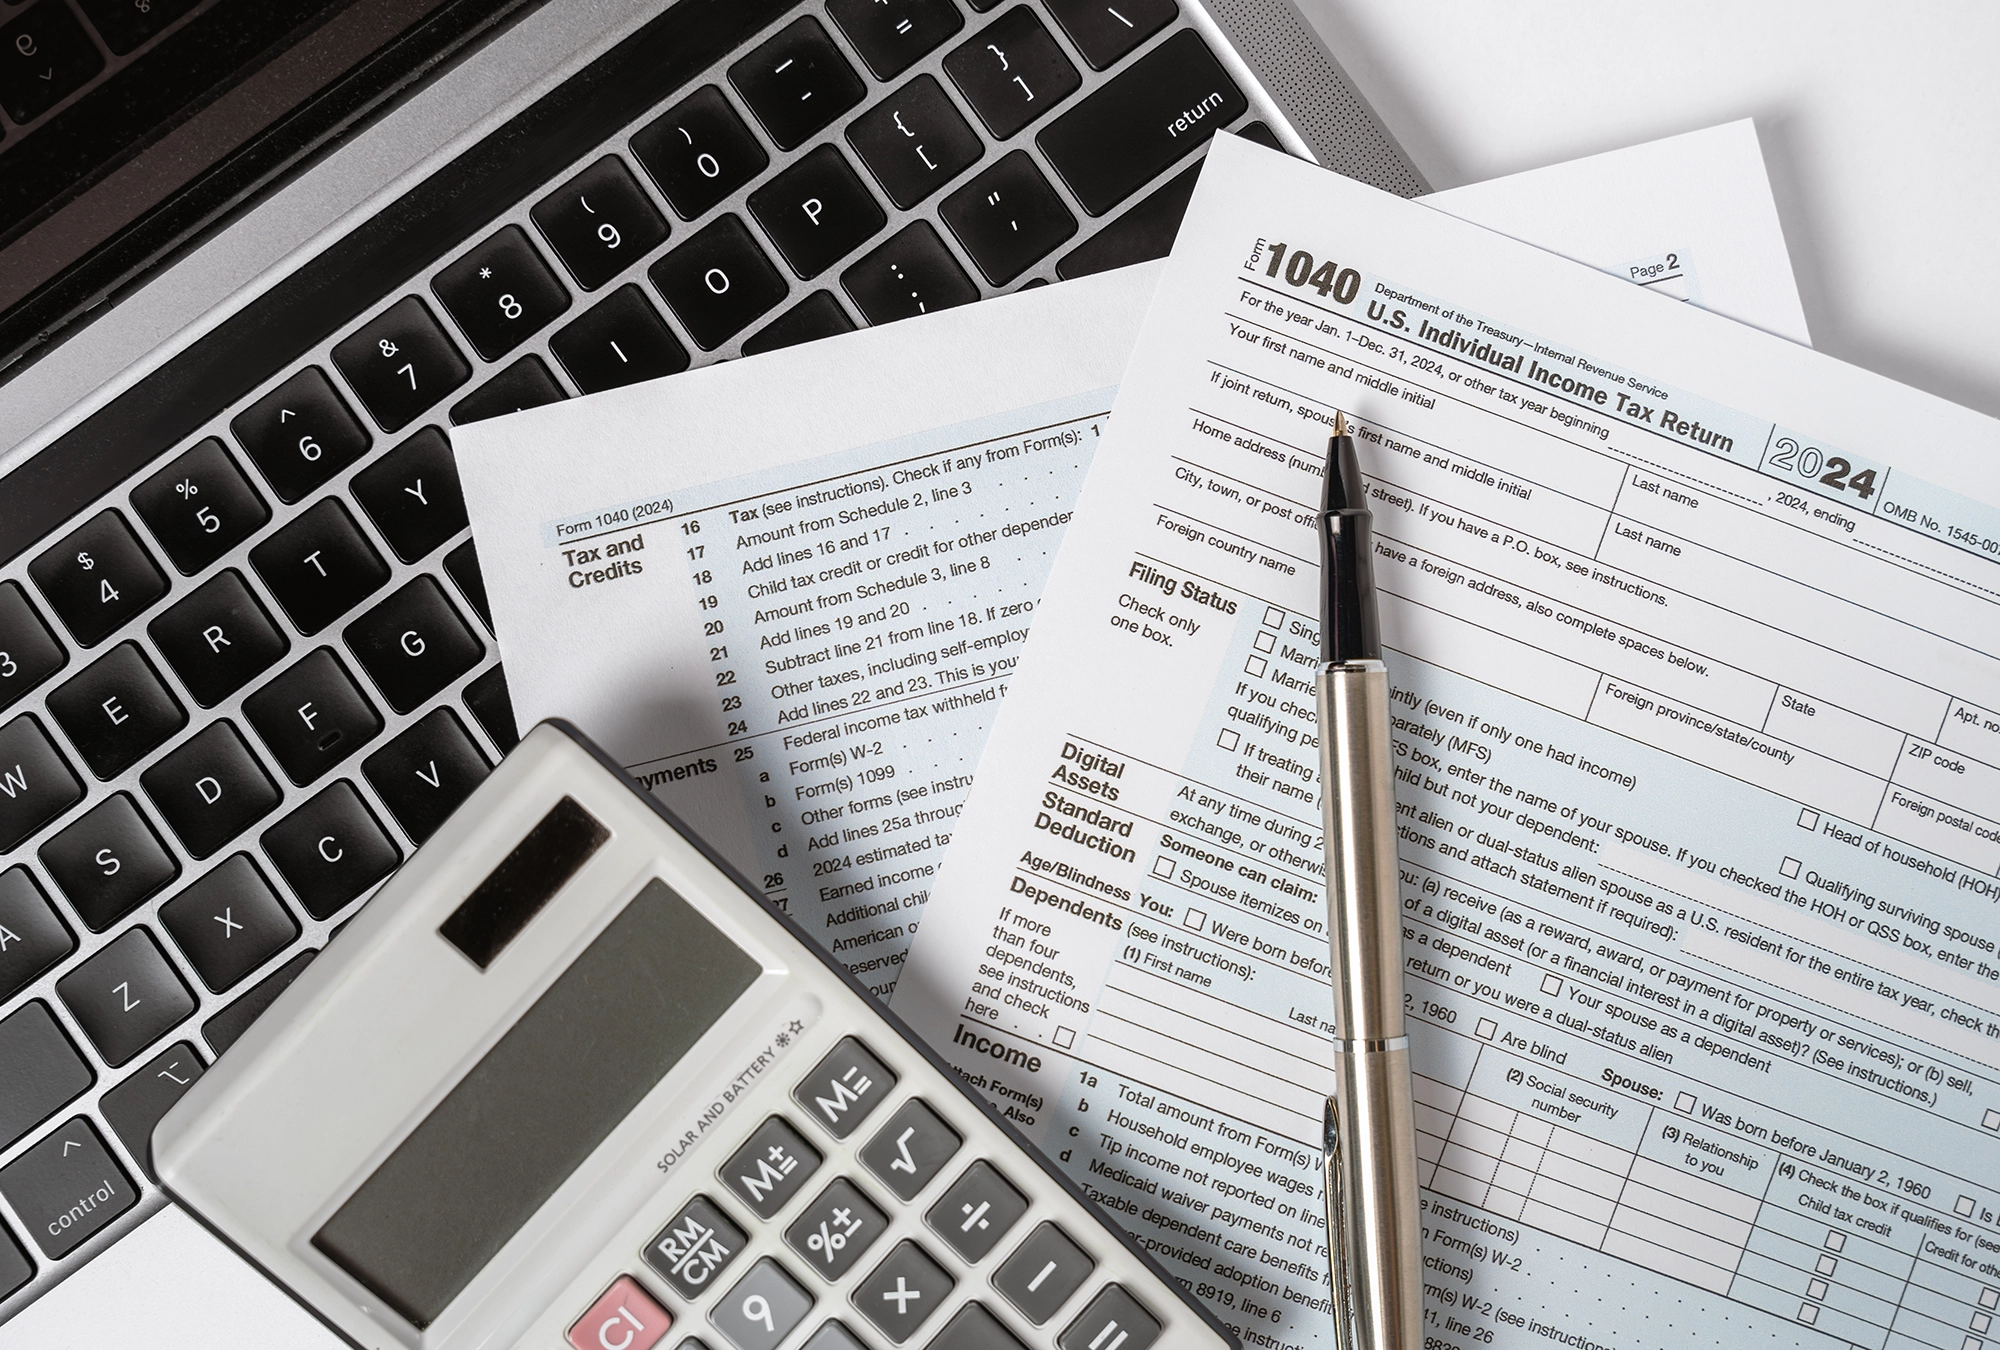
258	258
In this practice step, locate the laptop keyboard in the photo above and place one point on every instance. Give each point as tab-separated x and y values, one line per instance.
240	685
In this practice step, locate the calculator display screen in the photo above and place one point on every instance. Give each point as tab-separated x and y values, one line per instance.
484	1160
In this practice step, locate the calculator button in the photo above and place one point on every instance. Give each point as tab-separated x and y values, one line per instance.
1008	218
108	862
218	639
401	363
817	211
29	653
619	341
914	141
135	1106
844	1087
1114	1320
125	997
211	789
501	293
1042	1273
228	923
412	494
98	577
833	1336
718	282
331	849
1012	72
319	565
37	781
115	711
200	506
67	1188
762	1309
300	434
1106	30
39	941
769	1169
977	1211
911	1149
699	152
413	644
697	1245
797	82
912	273
893	35
836	1229
425	773
903	1291
42	1070
312	717
623	1318
599	221
818	315
974	1328
525	384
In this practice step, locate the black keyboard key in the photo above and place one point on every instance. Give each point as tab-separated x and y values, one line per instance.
45	56
718	282
1012	72
619	341
911	274
98	577
67	1188
412	494
1143	233
331	849
222	1030
126	996
1105	31
36	785
218	639
424	774
462	566
229	923
818	315
135	1106
893	35
15	1267
914	141
42	1071
211	789
109	862
29	653
116	711
1164	106
200	506
39	939
525	384
300	434
319	566
312	717
487	698
797	82
401	363
817	211
125	24
413	644
501	293
599	222
699	152
1008	218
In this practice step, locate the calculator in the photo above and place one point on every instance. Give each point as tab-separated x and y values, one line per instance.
569	1081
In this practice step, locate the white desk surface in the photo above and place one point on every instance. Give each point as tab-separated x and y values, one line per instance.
1880	126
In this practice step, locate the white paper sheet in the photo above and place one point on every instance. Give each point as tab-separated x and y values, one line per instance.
1019	387
1696	661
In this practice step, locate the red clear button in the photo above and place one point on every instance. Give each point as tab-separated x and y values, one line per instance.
623	1318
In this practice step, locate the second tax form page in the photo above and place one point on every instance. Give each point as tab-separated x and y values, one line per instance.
1696	719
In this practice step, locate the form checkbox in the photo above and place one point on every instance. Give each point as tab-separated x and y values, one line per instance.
1980	1323
1486	1029
1196	919
1973	1343
1254	666
1163	866
1835	1240
1808	819
1825	1265
1685	1103
1274	617
1991	1120
1552	985
1989	1298
1809	1313
1264	641
1228	740
1788	868
1816	1289
1065	1037
1964	1207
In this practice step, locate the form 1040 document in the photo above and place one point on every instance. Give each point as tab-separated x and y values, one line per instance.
1696	713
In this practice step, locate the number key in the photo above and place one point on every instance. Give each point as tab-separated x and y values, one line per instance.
29	653
700	152
400	363
762	1309
98	577
599	221
501	293
300	434
199	507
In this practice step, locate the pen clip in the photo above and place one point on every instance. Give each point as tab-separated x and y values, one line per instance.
1336	1228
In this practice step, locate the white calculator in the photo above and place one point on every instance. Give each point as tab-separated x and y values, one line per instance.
568	1081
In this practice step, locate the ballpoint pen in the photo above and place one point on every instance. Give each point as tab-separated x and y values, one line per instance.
1370	1141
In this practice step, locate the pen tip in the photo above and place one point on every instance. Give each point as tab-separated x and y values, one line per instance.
1339	422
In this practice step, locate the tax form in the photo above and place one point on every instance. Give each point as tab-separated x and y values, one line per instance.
1696	710
788	592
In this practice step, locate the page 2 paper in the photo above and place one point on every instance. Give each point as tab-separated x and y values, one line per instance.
1696	660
